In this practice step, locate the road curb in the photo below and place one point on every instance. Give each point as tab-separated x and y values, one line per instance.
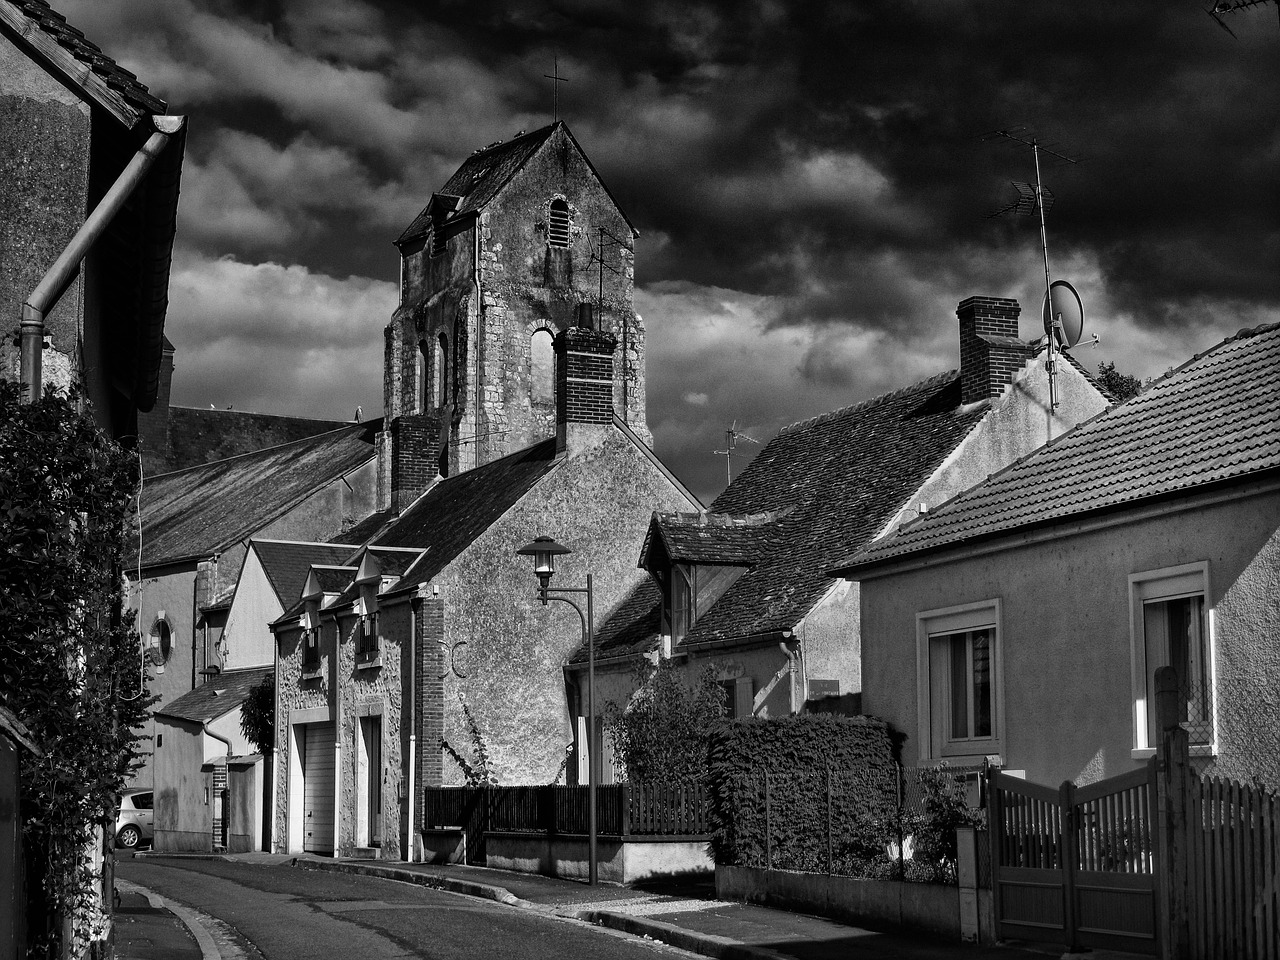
186	915
706	944
468	888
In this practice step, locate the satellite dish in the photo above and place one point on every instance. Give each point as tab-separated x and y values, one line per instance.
1067	310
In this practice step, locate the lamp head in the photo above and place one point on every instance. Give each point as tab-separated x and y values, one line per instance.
544	551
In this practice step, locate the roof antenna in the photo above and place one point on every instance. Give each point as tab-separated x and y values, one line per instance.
731	438
607	239
1038	198
555	78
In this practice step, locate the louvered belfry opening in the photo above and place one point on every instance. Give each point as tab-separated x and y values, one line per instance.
558	226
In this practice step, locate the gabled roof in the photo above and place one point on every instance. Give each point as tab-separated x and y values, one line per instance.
457	510
829	483
483	175
713	538
219	696
203	510
329	579
1215	419
287	563
81	63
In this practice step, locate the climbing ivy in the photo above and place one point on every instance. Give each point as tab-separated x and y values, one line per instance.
70	652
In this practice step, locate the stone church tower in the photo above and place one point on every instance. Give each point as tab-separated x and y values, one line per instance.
522	242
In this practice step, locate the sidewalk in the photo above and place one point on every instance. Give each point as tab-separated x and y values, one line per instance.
147	929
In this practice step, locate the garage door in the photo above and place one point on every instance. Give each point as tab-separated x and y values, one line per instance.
317	789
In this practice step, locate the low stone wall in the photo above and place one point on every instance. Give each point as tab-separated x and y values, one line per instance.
619	860
933	908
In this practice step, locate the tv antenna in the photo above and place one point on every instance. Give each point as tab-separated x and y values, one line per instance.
1038	199
1233	6
731	438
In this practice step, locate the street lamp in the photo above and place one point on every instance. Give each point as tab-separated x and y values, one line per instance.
544	551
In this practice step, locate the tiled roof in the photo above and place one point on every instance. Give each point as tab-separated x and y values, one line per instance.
458	509
286	563
54	25
481	176
333	578
633	627
366	529
834	482
204	509
714	537
1216	418
217	697
201	436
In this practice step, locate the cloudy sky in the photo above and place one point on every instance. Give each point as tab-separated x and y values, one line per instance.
808	179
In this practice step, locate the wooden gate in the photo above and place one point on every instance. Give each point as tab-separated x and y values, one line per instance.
1076	865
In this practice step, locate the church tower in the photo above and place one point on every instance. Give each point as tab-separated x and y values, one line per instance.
523	241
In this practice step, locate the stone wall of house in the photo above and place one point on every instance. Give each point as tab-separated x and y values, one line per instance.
1068	695
45	133
368	691
293	694
510	650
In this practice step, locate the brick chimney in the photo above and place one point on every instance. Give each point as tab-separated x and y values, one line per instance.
990	352
415	457
584	386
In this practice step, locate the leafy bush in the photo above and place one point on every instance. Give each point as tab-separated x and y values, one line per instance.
801	755
258	715
662	734
71	655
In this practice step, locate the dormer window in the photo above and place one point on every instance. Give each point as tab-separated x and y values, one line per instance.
559	223
691	591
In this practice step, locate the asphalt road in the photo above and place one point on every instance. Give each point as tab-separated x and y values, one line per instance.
289	913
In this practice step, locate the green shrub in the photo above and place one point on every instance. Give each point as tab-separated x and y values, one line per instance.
801	755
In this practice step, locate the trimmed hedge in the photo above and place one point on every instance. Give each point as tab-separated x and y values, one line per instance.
857	756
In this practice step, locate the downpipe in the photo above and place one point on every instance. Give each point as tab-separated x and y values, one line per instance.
54	283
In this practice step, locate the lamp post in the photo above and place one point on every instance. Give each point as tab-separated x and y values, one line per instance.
544	551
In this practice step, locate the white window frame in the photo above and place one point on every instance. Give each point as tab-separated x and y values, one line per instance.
1184	580
981	614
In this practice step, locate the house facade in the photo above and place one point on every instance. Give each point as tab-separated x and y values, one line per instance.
196	528
514	408
90	306
1025	620
744	588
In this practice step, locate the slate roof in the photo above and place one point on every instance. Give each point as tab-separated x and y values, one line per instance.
457	510
1215	419
217	697
714	538
368	528
481	176
832	483
287	563
202	510
332	578
633	627
201	436
54	25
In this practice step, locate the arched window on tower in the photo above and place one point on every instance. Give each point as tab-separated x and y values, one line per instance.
542	367
440	371
421	384
560	222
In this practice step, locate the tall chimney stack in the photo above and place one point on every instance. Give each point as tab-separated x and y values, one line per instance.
584	386
990	352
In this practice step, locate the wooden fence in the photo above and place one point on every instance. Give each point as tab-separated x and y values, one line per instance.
1232	852
622	809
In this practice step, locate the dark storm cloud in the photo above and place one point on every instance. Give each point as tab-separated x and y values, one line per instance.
807	177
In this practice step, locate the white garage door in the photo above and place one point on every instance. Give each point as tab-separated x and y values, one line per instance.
317	789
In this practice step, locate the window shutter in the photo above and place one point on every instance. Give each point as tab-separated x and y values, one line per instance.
744	693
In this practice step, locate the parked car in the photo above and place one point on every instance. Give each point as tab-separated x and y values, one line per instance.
134	821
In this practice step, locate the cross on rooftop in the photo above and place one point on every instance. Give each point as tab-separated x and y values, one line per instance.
555	78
